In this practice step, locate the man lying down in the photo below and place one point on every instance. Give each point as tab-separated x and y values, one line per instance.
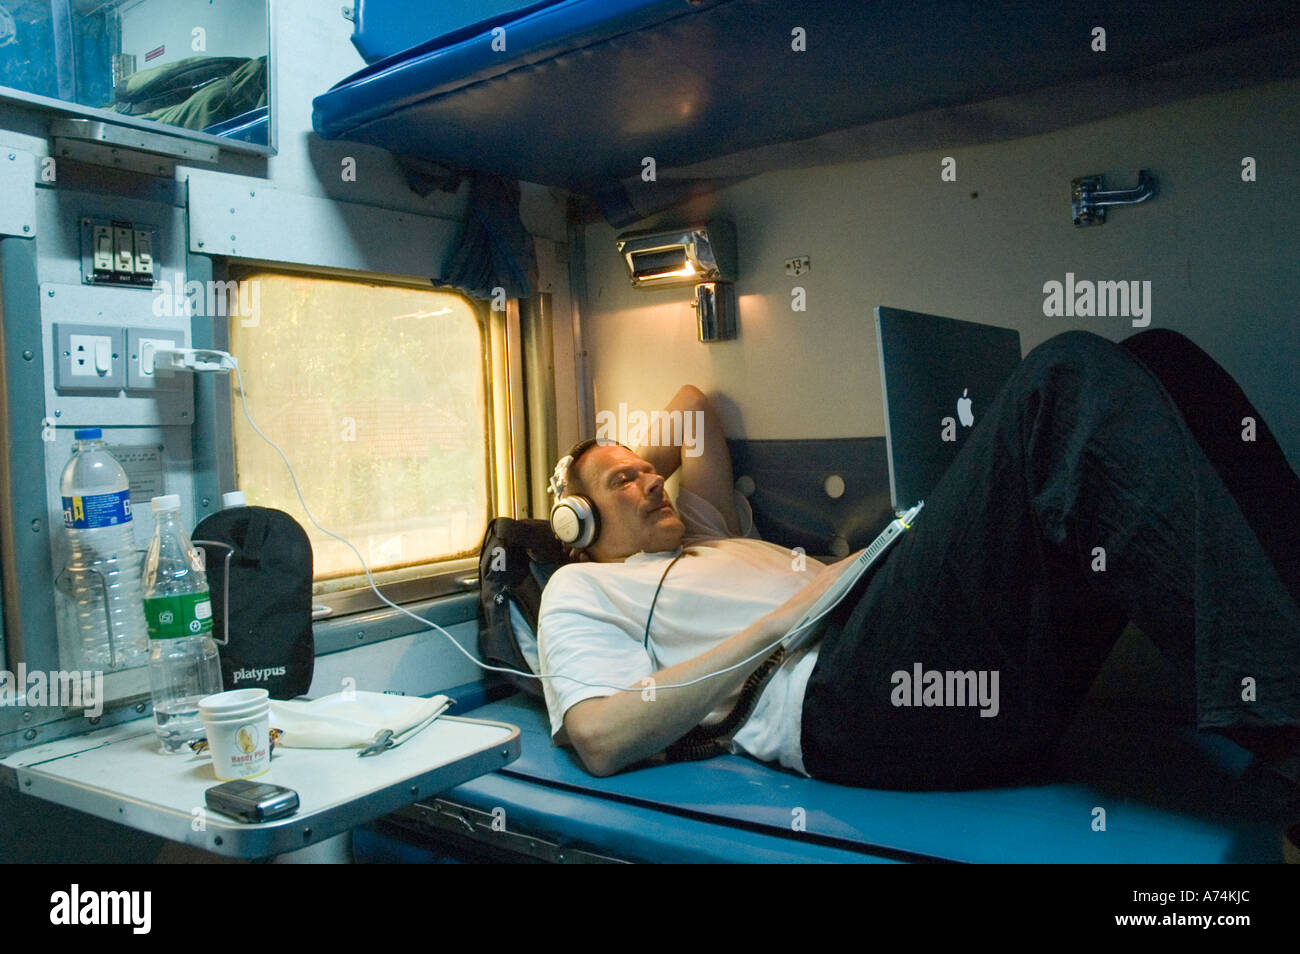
1106	484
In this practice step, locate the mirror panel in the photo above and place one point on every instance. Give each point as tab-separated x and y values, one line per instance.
198	65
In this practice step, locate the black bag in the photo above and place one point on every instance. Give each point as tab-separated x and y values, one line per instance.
515	562
270	568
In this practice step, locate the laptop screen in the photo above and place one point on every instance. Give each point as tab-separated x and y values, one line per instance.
939	376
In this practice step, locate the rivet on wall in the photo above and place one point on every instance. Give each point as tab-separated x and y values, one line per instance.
745	485
834	486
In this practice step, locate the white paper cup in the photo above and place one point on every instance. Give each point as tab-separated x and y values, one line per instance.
238	726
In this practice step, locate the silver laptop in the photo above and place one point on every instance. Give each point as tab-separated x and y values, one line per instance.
939	376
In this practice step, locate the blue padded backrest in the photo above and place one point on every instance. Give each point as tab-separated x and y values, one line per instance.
789	499
383	28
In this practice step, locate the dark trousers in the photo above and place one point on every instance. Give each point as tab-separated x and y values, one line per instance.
1106	483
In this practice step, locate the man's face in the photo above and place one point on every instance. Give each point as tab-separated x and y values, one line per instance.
635	513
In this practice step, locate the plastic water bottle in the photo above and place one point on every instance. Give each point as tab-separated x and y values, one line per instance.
102	575
183	662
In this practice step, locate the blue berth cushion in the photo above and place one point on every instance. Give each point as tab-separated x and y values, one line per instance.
576	93
1169	795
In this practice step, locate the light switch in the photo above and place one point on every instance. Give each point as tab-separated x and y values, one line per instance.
143	253
103	357
118	252
124	251
103	248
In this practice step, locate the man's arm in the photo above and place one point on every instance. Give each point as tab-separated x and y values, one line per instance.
612	732
703	456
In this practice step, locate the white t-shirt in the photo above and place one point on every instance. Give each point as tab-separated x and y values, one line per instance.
593	616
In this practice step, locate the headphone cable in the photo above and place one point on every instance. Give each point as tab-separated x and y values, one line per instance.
645	641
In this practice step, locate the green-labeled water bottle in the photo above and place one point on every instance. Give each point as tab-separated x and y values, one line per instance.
183	662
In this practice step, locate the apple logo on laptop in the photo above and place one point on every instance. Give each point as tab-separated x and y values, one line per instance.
964	410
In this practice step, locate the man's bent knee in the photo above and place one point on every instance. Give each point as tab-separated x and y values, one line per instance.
1090	357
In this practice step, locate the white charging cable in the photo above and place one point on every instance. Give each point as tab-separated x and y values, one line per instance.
204	359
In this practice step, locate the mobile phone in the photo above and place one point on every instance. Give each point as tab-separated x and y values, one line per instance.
251	801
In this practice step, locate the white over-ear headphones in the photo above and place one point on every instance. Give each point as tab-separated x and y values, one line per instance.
574	518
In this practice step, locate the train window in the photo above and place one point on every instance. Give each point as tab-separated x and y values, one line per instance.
378	395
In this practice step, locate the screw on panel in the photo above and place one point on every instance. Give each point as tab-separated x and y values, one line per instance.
139	707
50	293
200	245
217	840
58	412
415	790
27	717
95	720
29	734
306	834
36	526
206	502
27	228
27	355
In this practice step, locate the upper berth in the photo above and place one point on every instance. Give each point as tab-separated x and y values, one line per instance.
577	93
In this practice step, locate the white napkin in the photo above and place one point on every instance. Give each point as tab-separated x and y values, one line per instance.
351	719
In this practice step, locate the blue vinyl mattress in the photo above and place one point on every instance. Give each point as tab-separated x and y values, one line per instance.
1169	795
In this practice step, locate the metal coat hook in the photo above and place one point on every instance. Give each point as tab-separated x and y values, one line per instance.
1088	200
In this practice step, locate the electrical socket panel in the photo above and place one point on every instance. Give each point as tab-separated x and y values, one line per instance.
88	358
141	343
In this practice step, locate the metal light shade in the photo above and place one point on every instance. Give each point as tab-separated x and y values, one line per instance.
703	256
685	256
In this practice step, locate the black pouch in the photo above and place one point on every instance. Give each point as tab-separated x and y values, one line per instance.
515	561
265	557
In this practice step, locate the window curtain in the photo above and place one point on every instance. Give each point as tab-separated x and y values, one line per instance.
494	250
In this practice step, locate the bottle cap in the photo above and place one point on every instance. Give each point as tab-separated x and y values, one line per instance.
233	498
88	434
166	502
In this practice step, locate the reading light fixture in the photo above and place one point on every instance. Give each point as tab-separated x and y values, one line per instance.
703	256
